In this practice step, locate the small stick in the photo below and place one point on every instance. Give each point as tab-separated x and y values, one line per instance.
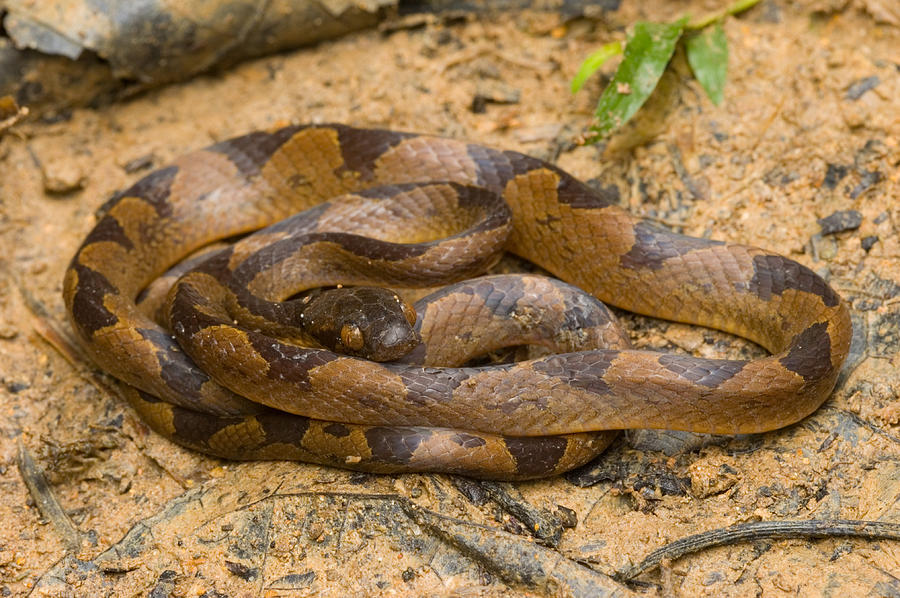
45	499
758	530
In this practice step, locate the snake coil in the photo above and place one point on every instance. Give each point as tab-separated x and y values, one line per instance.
522	420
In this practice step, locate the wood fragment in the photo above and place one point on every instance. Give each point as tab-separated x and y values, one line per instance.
45	499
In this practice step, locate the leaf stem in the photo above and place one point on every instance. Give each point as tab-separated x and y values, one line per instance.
732	9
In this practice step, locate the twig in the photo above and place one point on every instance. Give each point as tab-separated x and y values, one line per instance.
45	499
10	113
543	526
45	325
516	561
859	421
759	530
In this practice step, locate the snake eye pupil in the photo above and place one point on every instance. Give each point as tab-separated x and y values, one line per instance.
352	337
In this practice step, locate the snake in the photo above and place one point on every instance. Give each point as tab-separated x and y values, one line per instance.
273	399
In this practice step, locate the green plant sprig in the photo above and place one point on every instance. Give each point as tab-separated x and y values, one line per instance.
648	49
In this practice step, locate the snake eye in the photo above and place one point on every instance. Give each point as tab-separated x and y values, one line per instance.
408	311
352	337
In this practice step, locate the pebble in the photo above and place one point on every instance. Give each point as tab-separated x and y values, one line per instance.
861	86
140	163
712	475
62	177
494	92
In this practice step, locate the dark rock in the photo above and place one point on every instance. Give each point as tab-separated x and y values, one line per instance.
868	242
867	180
840	221
567	517
833	175
241	570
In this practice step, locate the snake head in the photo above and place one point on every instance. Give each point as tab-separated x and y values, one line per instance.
368	322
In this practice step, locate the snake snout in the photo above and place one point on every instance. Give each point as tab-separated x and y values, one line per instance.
392	341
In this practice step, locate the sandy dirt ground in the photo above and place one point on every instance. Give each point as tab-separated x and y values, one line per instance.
810	126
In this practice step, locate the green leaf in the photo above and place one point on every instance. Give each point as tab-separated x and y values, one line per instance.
707	53
594	62
649	48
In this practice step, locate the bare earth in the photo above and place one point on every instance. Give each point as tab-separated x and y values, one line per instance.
802	134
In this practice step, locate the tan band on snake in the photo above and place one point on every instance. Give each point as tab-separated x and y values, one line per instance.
520	420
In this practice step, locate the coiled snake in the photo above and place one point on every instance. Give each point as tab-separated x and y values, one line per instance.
526	419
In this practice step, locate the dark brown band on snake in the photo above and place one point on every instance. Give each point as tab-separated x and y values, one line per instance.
249	182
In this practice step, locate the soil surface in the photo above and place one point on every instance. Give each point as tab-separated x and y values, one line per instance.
809	128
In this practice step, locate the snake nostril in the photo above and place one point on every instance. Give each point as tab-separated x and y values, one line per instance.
395	335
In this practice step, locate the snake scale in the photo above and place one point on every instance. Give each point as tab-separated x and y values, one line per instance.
519	420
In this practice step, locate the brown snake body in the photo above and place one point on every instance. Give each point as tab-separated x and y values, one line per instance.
527	419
